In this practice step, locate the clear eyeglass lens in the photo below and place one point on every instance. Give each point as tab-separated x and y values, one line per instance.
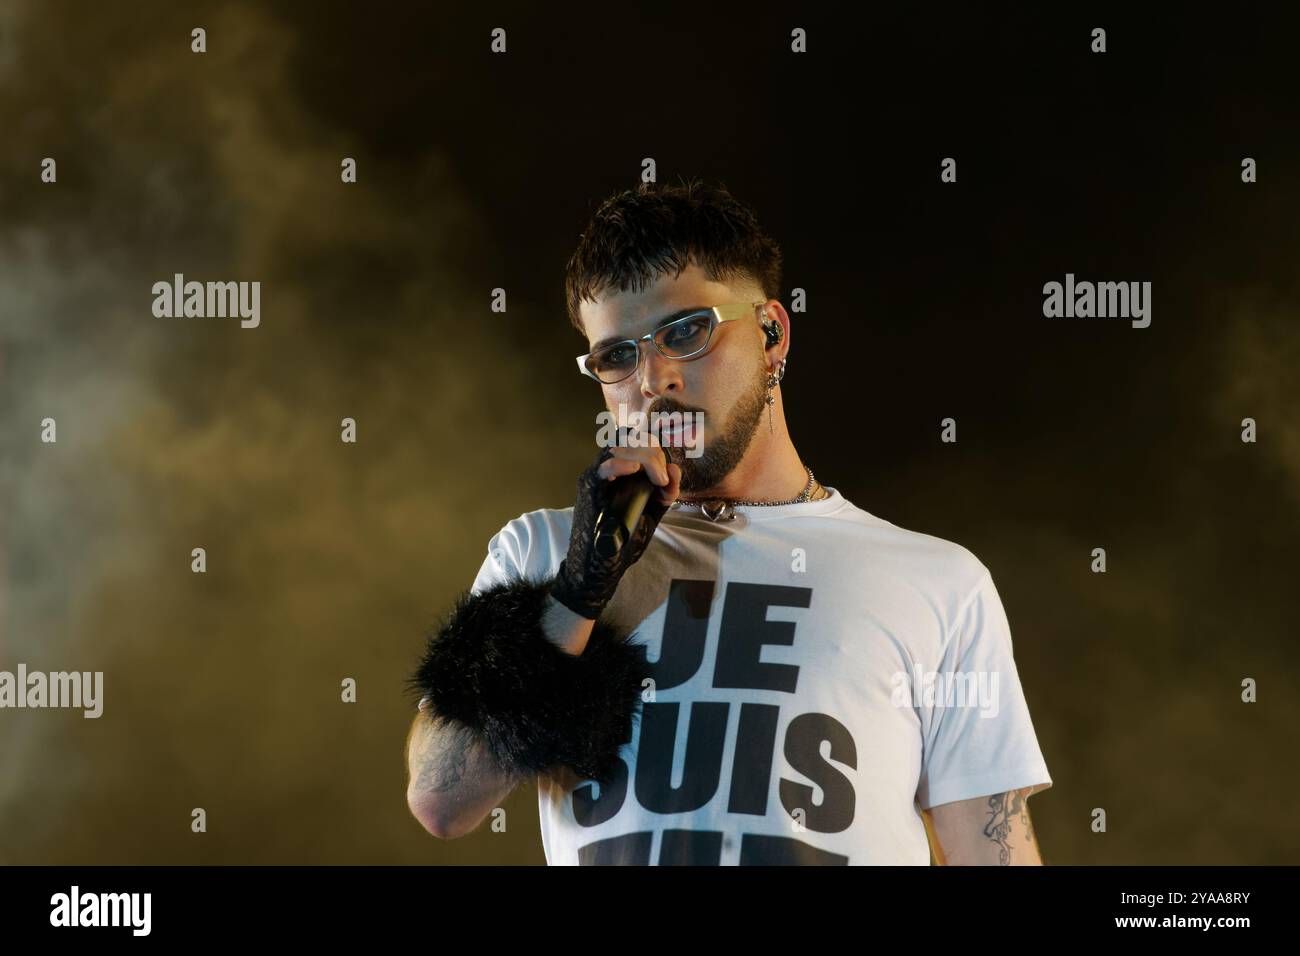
613	363
686	336
679	339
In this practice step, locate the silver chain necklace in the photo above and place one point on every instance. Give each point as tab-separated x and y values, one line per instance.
724	509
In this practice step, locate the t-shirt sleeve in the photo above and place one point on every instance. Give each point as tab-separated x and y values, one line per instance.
980	739
504	561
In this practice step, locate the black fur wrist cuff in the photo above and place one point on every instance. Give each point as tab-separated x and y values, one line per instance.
491	668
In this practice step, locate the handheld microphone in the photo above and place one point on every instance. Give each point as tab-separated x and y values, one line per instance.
615	524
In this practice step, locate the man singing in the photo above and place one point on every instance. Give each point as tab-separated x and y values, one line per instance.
764	673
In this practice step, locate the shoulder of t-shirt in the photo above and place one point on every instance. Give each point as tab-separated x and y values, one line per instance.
949	571
525	540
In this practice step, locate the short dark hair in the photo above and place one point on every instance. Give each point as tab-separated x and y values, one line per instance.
641	233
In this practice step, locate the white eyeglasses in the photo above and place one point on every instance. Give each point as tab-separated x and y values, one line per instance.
681	338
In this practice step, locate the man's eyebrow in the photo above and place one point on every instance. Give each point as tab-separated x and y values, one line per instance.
664	321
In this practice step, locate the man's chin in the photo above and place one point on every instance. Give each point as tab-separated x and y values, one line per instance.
695	479
680	457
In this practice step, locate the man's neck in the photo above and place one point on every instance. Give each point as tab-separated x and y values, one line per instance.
770	471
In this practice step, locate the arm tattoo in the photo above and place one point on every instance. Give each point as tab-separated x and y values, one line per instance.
1002	808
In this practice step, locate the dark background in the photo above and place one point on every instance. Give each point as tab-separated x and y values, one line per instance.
478	171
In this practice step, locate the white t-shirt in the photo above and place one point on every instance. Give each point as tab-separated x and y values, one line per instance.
820	676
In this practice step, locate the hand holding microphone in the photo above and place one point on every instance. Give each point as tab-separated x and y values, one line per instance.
621	498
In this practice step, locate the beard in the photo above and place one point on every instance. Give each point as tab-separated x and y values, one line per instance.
725	450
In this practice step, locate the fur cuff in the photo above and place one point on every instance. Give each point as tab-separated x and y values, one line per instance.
491	668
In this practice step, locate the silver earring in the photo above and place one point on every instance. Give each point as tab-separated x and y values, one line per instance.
772	382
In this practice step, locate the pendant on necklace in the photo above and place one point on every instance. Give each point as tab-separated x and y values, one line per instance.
718	510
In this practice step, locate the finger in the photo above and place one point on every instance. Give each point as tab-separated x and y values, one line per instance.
660	459
669	492
617	467
656	459
658	471
611	468
675	481
652	459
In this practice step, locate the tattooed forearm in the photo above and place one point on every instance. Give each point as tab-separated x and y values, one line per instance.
1003	808
992	829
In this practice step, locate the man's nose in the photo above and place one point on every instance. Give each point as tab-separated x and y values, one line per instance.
659	375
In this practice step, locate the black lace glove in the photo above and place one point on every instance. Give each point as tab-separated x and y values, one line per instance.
585	582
